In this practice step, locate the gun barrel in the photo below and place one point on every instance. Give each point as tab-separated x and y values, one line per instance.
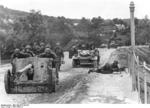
25	68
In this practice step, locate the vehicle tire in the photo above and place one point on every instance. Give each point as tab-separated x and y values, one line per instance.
7	82
94	64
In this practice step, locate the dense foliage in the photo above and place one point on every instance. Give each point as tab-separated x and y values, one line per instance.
35	27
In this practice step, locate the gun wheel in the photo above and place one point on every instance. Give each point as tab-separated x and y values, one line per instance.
7	82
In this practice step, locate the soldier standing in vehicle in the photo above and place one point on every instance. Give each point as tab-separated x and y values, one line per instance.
60	54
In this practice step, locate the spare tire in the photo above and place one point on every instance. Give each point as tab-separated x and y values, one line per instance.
7	82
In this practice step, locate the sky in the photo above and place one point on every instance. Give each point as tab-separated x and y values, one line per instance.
107	9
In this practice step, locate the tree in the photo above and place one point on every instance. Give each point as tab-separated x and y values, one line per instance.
97	22
84	25
142	31
62	31
30	28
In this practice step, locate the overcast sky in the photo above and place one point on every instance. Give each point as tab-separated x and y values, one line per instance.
82	8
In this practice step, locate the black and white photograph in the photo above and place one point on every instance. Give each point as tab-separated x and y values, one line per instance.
74	52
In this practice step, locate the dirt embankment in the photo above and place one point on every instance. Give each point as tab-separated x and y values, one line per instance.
121	55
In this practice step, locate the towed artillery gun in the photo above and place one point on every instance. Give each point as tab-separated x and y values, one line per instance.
31	75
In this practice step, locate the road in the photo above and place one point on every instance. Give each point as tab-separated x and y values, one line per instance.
77	86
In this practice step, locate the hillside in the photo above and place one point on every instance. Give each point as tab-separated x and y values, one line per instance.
18	28
7	17
10	13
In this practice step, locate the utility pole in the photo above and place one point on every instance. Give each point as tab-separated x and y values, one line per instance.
132	26
0	53
0	57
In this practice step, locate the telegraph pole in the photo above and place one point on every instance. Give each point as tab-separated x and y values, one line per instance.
132	26
0	53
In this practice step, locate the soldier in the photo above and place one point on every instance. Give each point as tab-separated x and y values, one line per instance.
36	49
48	46
73	51
42	47
22	50
83	47
108	68
60	54
92	46
28	51
98	56
48	53
18	54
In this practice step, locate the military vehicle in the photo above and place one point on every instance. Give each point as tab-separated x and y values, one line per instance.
85	56
31	75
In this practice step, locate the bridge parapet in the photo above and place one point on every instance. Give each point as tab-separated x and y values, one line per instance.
140	77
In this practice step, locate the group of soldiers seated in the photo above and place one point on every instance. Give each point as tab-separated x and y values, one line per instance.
44	51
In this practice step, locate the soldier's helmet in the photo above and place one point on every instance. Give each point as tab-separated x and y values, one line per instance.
58	43
74	46
34	43
17	50
42	44
47	50
48	46
83	45
28	47
114	31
